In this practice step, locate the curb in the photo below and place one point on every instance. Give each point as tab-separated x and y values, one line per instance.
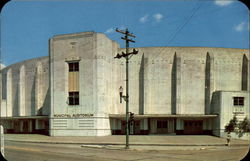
132	144
151	148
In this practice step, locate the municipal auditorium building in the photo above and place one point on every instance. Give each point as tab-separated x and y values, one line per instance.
172	90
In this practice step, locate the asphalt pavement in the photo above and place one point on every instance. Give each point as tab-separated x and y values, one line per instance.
27	151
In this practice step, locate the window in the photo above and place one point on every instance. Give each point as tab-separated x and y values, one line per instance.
74	66
73	98
238	101
73	83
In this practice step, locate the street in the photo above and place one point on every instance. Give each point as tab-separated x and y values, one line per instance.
21	151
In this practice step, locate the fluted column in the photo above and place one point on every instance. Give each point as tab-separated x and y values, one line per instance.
141	87
22	87
38	88
176	85
209	82
9	93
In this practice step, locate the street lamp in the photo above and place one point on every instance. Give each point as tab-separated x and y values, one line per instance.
121	91
121	95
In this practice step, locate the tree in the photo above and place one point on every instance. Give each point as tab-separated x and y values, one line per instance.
238	127
230	127
243	127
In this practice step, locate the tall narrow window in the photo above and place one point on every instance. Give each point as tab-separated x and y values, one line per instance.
74	67
73	83
73	98
238	101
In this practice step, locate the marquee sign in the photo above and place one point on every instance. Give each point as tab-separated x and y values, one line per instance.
73	115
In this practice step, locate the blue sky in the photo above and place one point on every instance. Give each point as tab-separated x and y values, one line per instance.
27	25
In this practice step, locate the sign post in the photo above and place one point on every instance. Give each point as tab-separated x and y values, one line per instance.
2	139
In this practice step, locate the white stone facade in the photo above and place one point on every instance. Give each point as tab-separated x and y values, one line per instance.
173	90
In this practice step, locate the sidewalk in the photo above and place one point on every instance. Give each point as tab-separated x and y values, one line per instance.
135	140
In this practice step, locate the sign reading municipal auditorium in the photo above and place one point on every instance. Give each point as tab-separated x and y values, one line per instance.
72	115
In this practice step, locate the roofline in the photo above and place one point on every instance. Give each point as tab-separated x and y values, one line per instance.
189	47
69	35
43	57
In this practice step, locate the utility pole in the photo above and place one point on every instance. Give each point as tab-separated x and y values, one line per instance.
127	56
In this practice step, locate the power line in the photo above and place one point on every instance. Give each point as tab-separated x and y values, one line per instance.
195	9
185	23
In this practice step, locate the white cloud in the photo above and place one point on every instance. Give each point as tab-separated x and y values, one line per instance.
223	2
2	66
158	17
110	30
242	26
144	19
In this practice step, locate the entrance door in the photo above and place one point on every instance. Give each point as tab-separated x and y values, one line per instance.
16	127
25	126
162	126
123	128
137	127
192	127
134	128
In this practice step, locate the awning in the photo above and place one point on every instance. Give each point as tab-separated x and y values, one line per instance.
164	116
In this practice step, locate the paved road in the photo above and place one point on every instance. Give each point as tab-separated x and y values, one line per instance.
21	151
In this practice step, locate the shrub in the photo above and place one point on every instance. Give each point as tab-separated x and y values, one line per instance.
238	127
230	127
243	126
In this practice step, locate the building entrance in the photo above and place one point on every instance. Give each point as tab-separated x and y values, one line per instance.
193	127
25	126
162	126
134	128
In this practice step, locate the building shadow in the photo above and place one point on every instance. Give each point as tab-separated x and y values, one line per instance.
33	95
207	83
44	110
244	74
141	86
173	85
15	108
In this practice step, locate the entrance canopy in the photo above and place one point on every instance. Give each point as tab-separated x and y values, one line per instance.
121	116
24	117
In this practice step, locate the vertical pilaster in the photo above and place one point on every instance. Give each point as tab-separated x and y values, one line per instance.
38	88
146	84
141	87
212	78
51	84
21	94
178	84
209	82
9	93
